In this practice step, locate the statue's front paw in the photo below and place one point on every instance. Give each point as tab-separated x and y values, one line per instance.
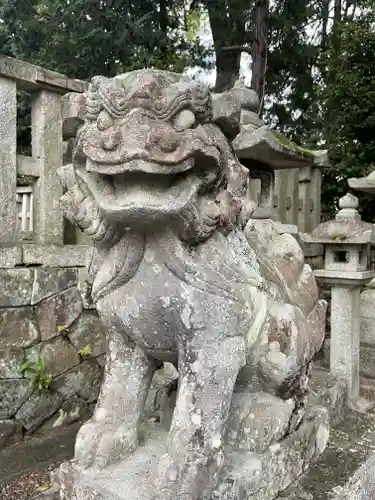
87	441
165	479
115	446
102	445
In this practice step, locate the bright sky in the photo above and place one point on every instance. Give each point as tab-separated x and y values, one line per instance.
210	76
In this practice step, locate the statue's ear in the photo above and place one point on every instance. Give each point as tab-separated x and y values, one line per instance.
226	113
73	113
227	107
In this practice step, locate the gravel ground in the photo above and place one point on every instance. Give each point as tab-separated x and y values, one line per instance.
25	466
27	487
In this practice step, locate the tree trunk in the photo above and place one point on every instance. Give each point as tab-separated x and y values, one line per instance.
337	16
325	19
227	69
227	21
259	50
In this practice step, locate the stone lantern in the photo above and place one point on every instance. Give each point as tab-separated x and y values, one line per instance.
347	241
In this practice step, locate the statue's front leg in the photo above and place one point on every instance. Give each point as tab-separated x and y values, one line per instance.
112	432
208	375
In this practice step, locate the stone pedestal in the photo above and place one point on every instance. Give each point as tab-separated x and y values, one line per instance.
247	476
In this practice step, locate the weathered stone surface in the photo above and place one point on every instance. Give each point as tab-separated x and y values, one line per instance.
71	411
83	380
54	255
73	113
361	486
101	360
161	397
330	392
39	407
351	444
368	316
251	118
84	288
18	327
58	354
194	279
51	281
10	256
58	311
366	359
13	394
248	476
10	362
52	494
258	420
8	160
10	432
32	77
88	330
16	287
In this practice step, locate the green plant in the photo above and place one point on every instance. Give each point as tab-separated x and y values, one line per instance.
62	329
85	351
41	379
338	236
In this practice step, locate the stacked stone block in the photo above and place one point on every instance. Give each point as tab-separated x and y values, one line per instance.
47	312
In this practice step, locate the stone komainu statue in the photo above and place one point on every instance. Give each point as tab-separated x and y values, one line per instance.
183	274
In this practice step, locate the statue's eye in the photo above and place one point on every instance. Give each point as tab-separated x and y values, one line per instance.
184	120
104	121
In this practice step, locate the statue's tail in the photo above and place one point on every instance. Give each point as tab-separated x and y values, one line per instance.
293	331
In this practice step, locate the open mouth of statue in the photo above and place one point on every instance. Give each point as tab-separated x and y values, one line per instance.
138	192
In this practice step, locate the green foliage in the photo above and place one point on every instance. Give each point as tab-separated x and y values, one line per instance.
85	351
36	370
292	71
350	110
83	38
193	21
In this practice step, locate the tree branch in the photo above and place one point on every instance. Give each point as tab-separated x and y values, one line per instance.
236	48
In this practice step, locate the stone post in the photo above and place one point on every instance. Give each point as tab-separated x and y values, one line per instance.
347	241
8	157
345	335
304	199
47	148
315	196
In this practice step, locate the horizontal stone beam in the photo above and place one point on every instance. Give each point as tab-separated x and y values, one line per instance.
55	255
26	165
30	77
43	255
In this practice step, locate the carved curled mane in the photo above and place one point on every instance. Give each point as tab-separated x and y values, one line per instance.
222	201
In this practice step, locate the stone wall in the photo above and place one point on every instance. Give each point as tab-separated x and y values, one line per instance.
46	313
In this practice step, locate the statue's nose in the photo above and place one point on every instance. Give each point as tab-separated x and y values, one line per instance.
167	140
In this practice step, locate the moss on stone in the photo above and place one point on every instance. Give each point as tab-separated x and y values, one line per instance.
292	145
338	236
